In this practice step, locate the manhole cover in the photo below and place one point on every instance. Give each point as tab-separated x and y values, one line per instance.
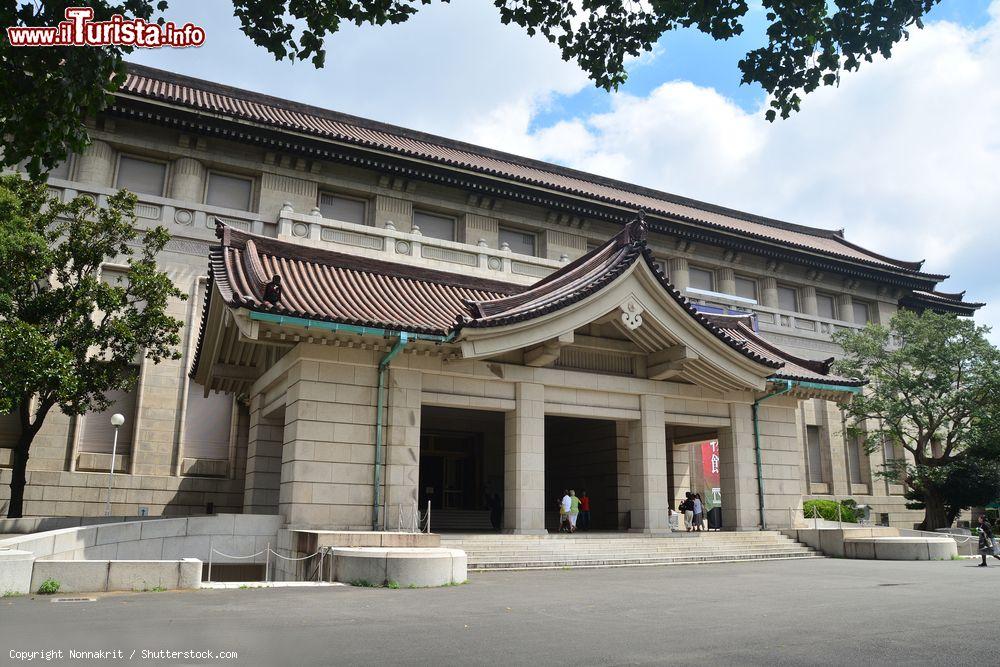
74	599
894	584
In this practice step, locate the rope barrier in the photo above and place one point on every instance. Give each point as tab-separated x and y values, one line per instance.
216	551
287	558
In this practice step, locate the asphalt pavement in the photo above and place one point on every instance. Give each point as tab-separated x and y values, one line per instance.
808	612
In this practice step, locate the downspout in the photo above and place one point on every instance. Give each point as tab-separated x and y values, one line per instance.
383	365
756	446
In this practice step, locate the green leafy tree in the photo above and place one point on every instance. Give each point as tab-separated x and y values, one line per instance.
934	387
46	92
67	338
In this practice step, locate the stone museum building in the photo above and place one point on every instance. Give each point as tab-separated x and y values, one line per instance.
381	320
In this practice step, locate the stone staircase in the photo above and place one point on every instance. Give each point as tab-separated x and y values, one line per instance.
589	550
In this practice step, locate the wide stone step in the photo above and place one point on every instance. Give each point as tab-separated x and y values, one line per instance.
507	557
633	562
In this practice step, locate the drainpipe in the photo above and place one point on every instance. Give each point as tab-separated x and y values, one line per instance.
383	365
756	446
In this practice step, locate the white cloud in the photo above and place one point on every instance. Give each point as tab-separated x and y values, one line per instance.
904	154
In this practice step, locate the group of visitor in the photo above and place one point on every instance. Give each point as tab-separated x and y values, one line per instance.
574	512
693	510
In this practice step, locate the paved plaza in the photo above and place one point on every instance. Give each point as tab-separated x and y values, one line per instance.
823	611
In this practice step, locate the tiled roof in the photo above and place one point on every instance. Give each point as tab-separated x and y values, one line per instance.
941	301
347	289
741	327
241	105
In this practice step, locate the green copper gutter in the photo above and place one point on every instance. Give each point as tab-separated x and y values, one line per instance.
404	337
789	385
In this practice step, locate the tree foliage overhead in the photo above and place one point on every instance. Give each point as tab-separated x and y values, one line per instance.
46	92
67	337
934	388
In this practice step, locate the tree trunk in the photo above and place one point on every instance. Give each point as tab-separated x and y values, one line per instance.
935	511
18	479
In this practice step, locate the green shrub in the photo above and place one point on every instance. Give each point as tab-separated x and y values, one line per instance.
827	509
49	587
392	584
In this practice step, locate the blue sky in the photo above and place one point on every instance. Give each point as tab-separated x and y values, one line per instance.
904	154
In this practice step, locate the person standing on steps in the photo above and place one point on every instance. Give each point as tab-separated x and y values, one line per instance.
584	511
699	510
564	506
574	510
987	543
687	509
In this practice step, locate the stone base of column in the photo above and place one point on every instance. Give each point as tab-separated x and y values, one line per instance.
651	531
524	531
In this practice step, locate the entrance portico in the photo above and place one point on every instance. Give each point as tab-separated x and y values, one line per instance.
354	350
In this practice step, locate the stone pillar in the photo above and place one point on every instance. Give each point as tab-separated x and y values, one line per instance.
187	180
277	190
524	462
397	211
769	291
738	471
328	458
263	473
845	308
402	454
808	294
677	271
96	164
648	467
726	278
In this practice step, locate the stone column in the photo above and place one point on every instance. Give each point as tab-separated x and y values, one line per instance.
769	291
524	462
808	294
96	164
726	281
845	308
677	271
738	471
263	472
648	467
402	454
187	180
327	469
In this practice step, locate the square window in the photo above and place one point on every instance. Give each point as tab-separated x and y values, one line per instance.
141	176
701	279
344	209
523	243
228	191
862	316
788	298
62	170
814	451
746	288
99	435
826	306
435	226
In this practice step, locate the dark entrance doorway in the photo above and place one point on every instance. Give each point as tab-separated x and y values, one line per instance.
587	455
461	468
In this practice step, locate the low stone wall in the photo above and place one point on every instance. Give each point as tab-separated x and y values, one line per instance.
156	539
378	566
90	576
900	548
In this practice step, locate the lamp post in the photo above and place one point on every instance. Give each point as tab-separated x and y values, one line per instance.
116	420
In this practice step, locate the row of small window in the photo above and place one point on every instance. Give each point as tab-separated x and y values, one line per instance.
857	457
788	296
149	177
207	426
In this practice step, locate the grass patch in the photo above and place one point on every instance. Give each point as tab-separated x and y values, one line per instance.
11	594
157	589
394	585
49	587
364	583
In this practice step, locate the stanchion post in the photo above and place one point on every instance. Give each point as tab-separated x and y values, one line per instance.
840	522
267	563
815	519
